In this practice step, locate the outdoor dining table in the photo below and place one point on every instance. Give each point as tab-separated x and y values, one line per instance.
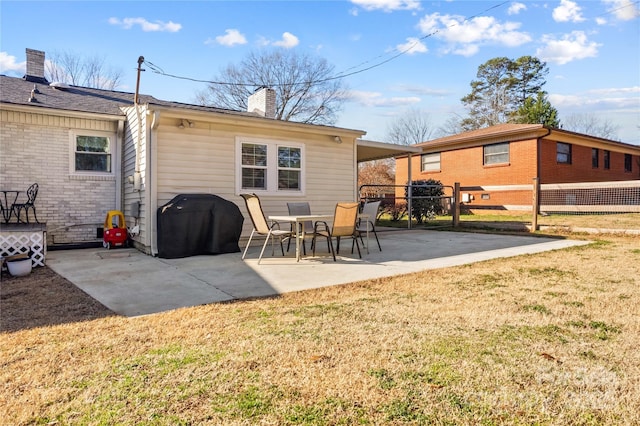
6	207
299	220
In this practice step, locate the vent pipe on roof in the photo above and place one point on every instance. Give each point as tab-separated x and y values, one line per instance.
35	67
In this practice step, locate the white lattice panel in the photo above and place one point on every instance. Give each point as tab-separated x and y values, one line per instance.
24	242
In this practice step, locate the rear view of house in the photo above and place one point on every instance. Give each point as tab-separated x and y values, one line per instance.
93	151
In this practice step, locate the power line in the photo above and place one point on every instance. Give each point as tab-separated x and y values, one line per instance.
158	70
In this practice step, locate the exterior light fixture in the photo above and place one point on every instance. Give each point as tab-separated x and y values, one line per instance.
338	139
184	123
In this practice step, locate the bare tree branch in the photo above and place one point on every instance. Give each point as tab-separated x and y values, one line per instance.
410	128
305	89
70	68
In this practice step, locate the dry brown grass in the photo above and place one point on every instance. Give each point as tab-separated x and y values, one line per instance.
550	338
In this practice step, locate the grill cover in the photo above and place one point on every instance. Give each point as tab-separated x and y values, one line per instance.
197	224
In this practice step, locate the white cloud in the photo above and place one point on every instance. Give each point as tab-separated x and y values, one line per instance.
288	41
593	100
616	91
413	45
466	36
387	5
421	90
8	64
569	48
567	11
625	10
375	99
516	8
231	38
128	23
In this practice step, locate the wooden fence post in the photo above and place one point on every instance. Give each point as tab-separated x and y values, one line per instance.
535	204
456	204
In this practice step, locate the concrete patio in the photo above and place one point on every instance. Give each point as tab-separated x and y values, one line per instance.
131	283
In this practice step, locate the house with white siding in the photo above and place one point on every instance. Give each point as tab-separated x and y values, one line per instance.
93	150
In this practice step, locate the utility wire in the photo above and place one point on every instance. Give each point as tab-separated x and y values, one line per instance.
158	70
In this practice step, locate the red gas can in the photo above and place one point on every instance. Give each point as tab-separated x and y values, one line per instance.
115	230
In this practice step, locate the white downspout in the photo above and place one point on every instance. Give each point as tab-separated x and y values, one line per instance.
137	181
152	196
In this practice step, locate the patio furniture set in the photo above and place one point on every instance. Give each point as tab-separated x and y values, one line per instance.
347	221
10	206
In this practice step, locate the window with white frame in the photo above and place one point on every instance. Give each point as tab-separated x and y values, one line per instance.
270	166
91	152
430	162
497	153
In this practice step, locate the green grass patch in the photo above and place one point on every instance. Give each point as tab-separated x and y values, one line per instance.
541	309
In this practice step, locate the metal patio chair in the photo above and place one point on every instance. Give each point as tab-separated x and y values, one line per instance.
301	208
16	208
262	227
344	225
369	223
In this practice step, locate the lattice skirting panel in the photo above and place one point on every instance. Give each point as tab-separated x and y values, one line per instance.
34	242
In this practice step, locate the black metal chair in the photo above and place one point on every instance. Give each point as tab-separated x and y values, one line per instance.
16	208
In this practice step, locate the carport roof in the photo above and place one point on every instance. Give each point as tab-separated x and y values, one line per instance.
371	150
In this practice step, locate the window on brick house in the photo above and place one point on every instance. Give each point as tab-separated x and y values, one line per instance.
627	162
430	162
595	158
92	153
497	153
563	153
607	159
270	167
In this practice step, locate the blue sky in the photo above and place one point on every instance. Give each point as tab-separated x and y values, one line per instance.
592	48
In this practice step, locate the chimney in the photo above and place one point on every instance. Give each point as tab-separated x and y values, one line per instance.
263	102
35	67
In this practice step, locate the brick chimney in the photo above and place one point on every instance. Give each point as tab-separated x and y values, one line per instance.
263	102
35	67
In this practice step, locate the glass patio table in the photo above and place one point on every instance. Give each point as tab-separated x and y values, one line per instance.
299	220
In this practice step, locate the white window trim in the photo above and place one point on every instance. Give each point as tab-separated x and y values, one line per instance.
72	152
494	155
431	155
272	167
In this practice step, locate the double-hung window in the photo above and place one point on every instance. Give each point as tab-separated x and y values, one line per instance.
91	153
563	153
497	153
595	158
627	163
430	162
270	166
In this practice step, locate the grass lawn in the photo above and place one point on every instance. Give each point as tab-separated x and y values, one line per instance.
546	339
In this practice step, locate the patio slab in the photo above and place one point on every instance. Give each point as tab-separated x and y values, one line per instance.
131	283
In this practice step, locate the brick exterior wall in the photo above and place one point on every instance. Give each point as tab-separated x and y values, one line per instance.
36	148
581	169
466	167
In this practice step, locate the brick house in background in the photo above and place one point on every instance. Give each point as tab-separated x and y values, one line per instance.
515	154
